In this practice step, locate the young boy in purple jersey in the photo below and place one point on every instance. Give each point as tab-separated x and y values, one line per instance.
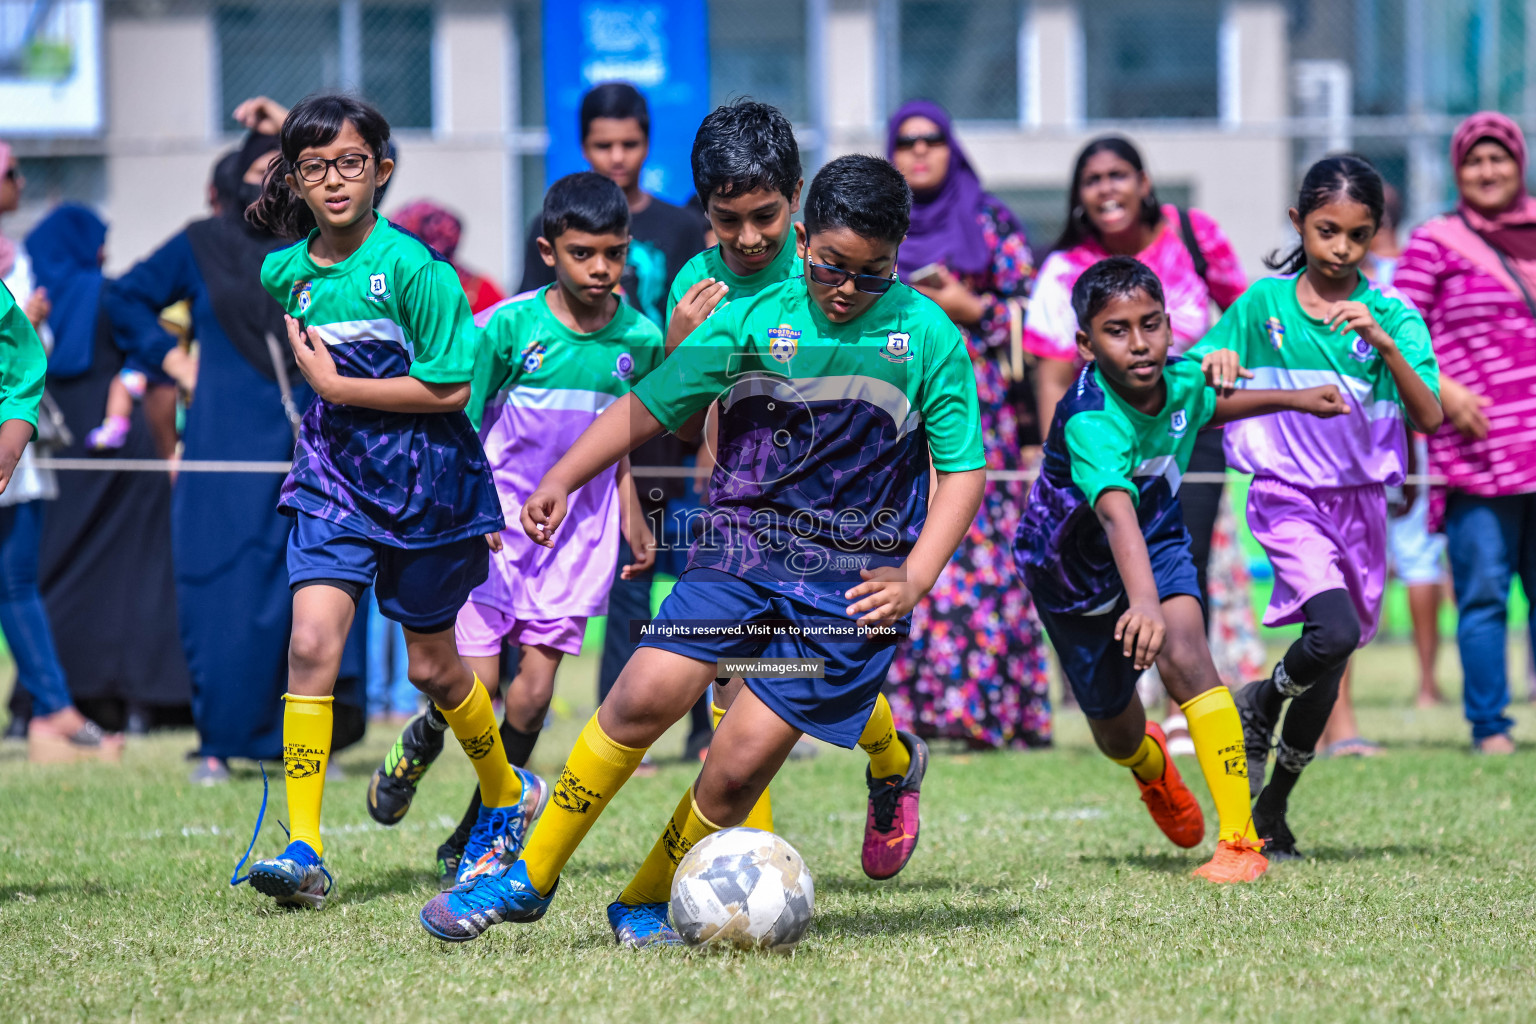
549	362
389	485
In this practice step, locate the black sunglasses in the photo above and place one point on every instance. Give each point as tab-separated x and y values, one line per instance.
833	277
348	165
932	139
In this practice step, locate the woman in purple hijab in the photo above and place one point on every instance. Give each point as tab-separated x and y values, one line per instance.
974	667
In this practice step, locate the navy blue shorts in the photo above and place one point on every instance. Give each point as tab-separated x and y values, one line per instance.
420	588
1102	678
834	708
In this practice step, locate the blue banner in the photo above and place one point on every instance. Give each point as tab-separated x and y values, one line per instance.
659	46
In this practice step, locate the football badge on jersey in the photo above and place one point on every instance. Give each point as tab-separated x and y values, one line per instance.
1178	423
1362	350
533	357
299	296
624	366
378	288
898	346
1276	331
783	340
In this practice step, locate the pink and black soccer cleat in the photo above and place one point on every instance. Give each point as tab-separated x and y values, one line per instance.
890	830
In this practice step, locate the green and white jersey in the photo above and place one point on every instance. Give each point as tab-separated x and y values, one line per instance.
538	385
392	308
1097	443
1286	347
23	365
826	430
710	263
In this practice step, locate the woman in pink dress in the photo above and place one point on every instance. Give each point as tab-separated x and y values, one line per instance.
1472	274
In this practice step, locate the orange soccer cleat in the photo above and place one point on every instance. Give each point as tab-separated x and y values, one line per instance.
1236	860
1172	805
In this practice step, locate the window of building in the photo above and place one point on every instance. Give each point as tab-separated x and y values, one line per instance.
1151	58
964	54
758	49
289	50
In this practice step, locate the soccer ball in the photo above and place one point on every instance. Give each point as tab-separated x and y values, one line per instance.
743	887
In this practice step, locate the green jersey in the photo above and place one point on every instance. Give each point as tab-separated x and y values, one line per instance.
826	430
538	385
1286	347
710	263
1099	443
394	307
24	364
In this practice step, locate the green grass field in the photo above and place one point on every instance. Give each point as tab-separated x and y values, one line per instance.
1041	891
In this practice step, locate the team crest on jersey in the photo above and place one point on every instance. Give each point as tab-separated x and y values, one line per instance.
624	366
533	357
1276	331
898	346
783	340
1362	350
378	288
299	296
1178	423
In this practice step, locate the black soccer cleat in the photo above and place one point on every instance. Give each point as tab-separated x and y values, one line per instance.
1258	735
1279	843
394	782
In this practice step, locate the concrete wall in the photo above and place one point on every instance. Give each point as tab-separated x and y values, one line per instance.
1238	171
163	131
164	134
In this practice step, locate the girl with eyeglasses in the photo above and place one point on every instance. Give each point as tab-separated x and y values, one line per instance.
390	487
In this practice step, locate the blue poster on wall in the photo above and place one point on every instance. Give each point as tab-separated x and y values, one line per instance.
659	46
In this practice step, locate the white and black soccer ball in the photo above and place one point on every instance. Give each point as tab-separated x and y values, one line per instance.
743	887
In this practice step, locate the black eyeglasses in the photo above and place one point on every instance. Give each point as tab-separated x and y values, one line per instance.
833	277
932	139
348	165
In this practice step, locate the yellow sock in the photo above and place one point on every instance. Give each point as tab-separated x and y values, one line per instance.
887	754
761	815
1218	736
653	882
594	772
474	723
306	749
1147	762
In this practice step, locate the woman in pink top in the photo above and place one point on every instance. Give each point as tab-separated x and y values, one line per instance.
1112	210
1472	273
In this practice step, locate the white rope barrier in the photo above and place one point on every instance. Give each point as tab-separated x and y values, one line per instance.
107	465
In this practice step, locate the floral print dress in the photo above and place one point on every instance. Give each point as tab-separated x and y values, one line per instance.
974	667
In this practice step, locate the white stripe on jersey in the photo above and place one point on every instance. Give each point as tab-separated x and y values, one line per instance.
348	332
557	399
881	394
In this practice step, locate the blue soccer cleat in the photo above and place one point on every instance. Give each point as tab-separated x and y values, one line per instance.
463	912
637	925
500	833
296	878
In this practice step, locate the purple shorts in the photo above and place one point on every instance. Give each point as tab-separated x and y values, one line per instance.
1328	538
480	630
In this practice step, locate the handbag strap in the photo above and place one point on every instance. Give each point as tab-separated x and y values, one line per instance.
1192	244
1525	292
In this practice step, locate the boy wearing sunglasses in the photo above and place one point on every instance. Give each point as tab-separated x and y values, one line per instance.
839	390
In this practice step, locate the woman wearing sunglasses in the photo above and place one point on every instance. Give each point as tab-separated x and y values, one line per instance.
975	665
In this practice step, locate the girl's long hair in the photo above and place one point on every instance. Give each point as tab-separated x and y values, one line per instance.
1079	228
1332	178
314	121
